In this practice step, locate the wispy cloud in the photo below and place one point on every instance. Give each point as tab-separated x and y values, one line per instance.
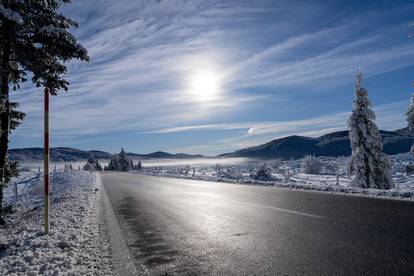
143	53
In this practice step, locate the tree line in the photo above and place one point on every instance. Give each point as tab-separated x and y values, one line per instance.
119	162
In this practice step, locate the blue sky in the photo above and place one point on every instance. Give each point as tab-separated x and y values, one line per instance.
215	76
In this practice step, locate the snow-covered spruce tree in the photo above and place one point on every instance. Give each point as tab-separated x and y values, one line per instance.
125	162
92	164
34	38
91	159
372	168
120	162
410	119
113	163
98	166
138	166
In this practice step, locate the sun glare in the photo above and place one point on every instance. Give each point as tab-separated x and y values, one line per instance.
204	86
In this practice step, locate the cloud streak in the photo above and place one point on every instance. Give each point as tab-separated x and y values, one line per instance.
144	52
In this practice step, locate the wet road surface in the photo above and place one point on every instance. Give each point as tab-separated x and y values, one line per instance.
188	227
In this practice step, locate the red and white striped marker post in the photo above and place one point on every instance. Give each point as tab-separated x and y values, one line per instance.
46	160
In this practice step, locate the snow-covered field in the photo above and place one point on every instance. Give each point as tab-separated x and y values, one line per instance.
78	243
332	178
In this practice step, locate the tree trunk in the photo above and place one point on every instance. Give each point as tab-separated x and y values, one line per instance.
2	222
5	108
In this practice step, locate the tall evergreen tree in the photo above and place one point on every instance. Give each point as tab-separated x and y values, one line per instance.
113	163
410	118
10	168
98	166
35	38
125	162
121	162
372	168
91	159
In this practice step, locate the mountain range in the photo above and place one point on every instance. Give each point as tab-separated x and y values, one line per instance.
72	154
332	144
290	147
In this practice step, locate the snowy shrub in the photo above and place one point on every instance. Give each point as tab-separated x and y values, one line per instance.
275	165
263	174
218	168
230	173
187	169
311	165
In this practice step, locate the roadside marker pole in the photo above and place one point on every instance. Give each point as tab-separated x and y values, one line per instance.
46	160
15	191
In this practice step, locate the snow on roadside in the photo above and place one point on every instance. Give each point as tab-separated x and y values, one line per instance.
78	243
287	174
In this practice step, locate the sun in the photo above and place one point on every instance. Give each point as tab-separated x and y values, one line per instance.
205	85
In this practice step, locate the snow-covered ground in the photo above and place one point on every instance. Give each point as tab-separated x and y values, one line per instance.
78	243
332	178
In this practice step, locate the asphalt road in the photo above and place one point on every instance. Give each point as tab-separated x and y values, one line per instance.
185	227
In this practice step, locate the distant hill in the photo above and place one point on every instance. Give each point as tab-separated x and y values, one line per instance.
166	155
72	154
57	154
332	144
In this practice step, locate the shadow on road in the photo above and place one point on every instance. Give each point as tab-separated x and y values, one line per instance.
148	242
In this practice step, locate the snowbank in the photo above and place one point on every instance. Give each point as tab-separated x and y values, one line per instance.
78	243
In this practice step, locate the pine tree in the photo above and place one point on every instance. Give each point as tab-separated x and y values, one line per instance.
372	168
125	163
98	166
91	159
9	169
410	119
113	163
34	38
121	162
